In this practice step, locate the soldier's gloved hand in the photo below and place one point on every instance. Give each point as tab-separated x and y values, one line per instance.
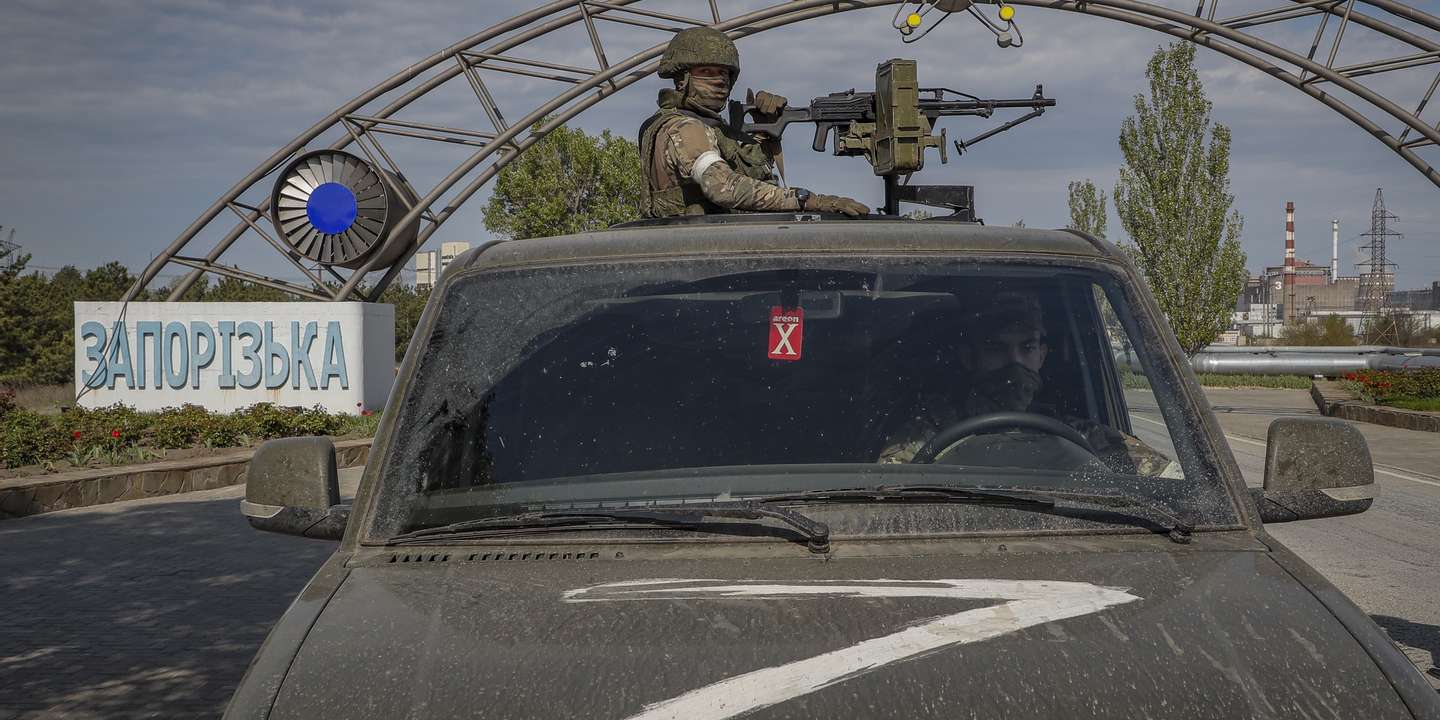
836	204
768	105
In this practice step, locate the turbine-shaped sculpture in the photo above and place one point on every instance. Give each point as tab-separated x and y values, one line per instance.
336	209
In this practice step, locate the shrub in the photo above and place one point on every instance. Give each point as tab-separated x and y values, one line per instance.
316	422
273	421
363	425
226	430
7	400
267	420
180	427
1384	386
107	426
29	438
120	434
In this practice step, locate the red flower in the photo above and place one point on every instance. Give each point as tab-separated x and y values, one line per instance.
115	434
75	435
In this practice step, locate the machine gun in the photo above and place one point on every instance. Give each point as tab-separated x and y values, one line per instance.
891	129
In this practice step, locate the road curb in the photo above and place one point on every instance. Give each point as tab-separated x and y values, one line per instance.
20	497
1333	400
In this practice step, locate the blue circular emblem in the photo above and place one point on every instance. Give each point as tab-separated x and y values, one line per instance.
331	208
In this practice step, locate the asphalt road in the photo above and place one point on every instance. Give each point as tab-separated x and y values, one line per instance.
153	608
148	608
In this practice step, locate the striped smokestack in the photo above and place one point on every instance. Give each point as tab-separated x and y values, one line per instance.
1289	262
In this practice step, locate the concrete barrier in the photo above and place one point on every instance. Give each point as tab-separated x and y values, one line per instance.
98	486
1334	400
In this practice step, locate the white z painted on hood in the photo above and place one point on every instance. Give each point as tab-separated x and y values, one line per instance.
1028	603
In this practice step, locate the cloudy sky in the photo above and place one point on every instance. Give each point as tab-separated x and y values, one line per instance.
121	121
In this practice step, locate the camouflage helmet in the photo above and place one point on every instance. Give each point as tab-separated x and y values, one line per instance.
693	47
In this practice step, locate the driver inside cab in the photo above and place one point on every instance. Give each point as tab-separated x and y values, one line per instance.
1001	352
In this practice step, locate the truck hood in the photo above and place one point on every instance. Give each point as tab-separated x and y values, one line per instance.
1098	634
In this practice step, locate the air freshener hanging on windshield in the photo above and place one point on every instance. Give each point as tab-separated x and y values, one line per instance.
787	333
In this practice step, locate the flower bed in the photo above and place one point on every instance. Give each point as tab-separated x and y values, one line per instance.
118	435
1410	389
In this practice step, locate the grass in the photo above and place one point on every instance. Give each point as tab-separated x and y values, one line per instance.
1136	381
1422	404
1287	382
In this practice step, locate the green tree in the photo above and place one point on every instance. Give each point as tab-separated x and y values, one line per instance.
107	282
1087	208
40	323
1332	331
14	315
230	289
409	302
1335	331
1301	333
1401	329
1173	198
568	182
195	293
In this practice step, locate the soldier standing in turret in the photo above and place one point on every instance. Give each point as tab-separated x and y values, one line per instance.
696	164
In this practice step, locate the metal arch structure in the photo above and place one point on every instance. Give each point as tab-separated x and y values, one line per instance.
499	49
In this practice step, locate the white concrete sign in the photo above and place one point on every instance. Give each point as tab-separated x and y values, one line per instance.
226	356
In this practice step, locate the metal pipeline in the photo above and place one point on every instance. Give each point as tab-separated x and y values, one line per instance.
1329	364
1326	361
1314	349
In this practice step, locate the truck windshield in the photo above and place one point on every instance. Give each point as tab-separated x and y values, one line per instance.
709	380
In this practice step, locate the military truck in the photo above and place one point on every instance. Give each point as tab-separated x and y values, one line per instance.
633	474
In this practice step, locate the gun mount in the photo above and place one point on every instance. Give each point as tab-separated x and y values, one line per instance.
891	128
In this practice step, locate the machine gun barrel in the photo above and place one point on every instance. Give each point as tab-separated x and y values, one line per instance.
838	110
891	128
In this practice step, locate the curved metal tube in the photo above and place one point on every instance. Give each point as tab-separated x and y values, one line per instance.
345	141
1314	349
1125	10
1327	364
329	121
1326	99
736	27
820	8
1275	51
608	81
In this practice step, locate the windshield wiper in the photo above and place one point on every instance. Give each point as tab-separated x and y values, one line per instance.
1039	500
816	533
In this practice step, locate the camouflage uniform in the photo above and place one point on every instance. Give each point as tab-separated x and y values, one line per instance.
1121	452
1012	387
697	165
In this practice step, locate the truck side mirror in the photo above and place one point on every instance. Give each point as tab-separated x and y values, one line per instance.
1315	468
292	487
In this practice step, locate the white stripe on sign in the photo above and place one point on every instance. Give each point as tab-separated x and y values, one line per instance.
1029	603
1382	470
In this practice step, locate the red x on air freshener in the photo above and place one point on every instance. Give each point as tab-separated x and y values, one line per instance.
787	333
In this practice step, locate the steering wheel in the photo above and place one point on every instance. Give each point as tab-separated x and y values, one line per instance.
991	422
